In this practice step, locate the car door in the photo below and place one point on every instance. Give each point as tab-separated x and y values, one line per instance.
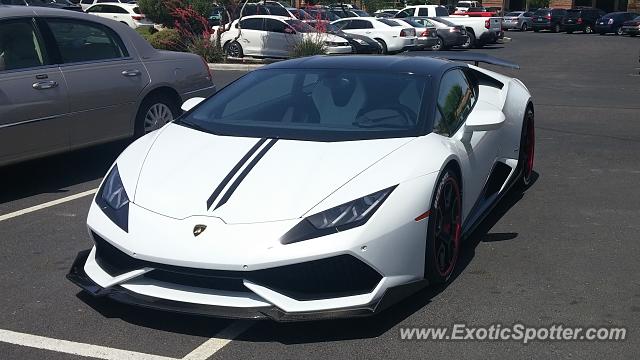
33	95
104	78
279	38
360	27
477	150
252	41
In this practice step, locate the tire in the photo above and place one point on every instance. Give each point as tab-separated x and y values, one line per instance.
527	148
524	27
234	49
619	31
536	30
444	230
470	42
556	28
154	112
569	32
587	29
439	45
603	34
383	45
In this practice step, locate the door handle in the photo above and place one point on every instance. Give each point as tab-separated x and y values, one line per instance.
44	85
131	73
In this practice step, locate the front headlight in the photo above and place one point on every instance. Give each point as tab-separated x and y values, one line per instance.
113	200
339	218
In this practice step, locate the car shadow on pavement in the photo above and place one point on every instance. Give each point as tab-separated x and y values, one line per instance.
55	173
316	331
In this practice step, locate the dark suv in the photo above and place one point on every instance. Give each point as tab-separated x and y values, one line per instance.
582	19
548	19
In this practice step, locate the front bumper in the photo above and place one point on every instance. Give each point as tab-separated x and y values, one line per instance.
604	28
572	27
78	276
635	30
333	50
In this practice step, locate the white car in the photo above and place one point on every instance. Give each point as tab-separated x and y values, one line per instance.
463	6
324	186
392	35
85	4
274	36
125	13
481	30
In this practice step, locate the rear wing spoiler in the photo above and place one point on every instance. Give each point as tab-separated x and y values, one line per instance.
476	58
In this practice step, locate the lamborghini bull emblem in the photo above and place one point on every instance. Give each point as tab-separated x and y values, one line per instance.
198	229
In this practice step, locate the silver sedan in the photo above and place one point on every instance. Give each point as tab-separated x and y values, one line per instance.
520	20
70	80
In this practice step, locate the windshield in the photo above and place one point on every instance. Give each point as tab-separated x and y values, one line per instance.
300	26
573	13
314	104
323	15
542	12
389	22
443	21
413	23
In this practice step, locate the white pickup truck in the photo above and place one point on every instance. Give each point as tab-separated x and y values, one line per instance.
481	30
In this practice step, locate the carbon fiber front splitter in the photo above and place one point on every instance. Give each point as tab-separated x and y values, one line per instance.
78	276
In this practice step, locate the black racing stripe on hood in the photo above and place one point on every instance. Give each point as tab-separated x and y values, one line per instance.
233	172
244	173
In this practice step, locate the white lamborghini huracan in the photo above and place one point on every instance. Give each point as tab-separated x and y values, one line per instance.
311	188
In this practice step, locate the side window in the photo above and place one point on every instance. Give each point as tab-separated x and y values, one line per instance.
455	101
20	47
423	12
251	24
359	24
442	11
80	41
405	13
272	25
96	9
342	24
86	2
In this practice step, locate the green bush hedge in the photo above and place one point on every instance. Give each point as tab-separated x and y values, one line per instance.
167	39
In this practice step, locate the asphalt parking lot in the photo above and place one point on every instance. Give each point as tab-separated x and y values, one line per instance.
564	252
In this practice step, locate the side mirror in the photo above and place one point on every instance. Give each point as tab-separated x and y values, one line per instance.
484	120
189	104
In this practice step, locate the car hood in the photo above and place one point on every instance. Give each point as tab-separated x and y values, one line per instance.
184	167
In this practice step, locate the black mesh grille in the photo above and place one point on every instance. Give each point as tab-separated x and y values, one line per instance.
337	276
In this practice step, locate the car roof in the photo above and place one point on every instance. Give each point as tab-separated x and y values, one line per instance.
122	5
7	11
277	17
394	64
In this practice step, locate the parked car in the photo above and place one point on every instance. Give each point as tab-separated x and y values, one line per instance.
128	14
300	14
361	44
85	4
548	19
426	34
450	34
582	19
386	13
273	36
347	13
76	80
392	36
631	27
322	14
520	20
612	22
481	30
56	4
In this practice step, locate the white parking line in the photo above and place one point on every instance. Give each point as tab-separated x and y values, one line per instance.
47	204
70	347
202	352
224	337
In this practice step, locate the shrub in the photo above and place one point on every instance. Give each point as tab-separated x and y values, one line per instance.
308	47
204	8
157	11
167	39
205	48
146	31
